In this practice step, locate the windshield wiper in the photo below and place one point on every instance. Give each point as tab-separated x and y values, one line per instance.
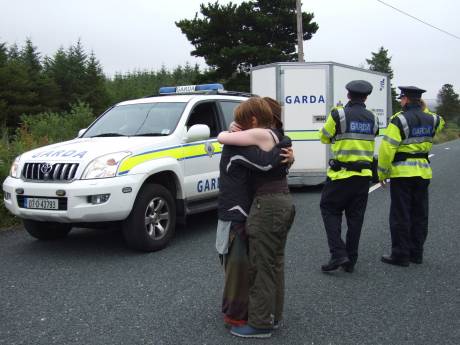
150	135
109	135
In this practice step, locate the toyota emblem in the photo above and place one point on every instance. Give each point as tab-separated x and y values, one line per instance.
209	148
46	168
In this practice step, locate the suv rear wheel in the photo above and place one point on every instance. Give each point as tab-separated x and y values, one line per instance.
152	221
46	230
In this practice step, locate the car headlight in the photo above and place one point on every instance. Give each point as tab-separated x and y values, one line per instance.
14	170
104	166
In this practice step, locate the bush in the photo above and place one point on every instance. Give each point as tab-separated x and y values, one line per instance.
35	131
450	132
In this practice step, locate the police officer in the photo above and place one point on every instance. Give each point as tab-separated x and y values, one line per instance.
351	130
403	158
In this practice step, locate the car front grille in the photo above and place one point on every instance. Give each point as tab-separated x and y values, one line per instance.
46	172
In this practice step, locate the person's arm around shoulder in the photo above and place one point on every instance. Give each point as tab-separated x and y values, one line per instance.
254	158
254	136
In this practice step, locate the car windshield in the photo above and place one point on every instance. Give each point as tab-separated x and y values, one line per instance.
146	119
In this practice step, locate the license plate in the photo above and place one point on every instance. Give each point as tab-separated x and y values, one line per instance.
41	203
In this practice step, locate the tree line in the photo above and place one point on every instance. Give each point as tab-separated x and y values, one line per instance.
33	84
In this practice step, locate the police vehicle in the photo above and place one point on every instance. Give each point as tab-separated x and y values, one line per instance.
145	163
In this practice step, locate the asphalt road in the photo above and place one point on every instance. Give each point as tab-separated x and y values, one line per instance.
90	289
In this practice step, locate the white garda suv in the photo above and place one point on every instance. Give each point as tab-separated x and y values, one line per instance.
146	163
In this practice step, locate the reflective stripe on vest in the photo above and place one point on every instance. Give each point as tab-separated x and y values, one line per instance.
376	124
412	164
369	154
405	125
436	121
357	136
391	140
417	140
343	120
326	133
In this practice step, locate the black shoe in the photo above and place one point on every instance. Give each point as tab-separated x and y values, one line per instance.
416	259
388	259
334	264
348	267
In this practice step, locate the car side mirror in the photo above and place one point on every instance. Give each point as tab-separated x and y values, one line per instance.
197	132
81	132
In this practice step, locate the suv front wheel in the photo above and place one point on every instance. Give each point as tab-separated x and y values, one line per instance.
152	221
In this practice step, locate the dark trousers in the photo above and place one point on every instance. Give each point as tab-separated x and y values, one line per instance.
349	195
268	224
408	216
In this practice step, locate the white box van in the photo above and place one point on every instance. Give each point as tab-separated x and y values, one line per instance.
307	92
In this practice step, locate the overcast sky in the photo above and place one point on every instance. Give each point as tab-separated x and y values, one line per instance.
141	34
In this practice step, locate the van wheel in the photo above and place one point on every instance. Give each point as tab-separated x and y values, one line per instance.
152	221
46	230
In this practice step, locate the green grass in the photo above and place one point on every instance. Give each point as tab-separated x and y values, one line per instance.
450	132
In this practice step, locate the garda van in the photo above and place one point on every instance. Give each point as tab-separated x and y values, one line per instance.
144	163
307	92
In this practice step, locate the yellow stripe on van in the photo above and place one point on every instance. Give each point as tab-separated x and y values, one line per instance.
312	135
306	135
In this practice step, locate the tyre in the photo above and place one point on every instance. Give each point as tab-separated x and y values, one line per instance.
152	221
46	230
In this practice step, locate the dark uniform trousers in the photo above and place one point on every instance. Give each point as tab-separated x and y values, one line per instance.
349	195
408	216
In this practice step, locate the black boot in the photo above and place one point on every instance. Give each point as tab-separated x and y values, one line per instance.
334	264
348	267
416	259
389	259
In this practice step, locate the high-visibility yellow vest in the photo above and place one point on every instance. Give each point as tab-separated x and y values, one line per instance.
351	131
410	131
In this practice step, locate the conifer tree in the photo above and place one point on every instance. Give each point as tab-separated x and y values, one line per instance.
449	104
380	62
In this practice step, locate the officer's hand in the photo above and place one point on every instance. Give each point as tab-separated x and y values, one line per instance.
288	154
234	127
383	183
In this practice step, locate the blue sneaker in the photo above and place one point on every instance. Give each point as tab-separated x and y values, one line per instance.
251	332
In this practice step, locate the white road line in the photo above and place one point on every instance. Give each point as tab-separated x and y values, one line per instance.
377	186
374	187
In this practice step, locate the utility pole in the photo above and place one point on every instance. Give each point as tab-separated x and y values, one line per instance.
299	30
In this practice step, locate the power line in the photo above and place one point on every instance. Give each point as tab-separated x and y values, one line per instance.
421	21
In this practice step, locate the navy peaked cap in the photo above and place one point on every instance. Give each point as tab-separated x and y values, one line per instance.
359	86
411	91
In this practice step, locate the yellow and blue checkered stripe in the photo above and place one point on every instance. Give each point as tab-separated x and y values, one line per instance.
179	152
